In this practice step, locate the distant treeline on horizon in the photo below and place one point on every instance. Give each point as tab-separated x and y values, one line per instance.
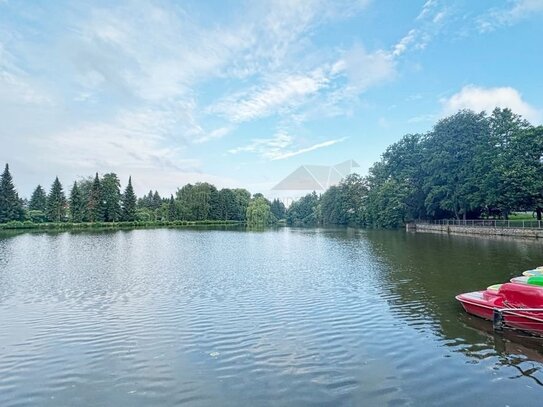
100	199
470	165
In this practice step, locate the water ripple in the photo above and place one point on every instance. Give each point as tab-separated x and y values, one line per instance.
285	317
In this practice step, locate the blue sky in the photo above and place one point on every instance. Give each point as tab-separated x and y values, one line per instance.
241	93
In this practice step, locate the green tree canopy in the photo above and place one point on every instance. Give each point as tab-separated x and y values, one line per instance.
259	212
278	209
111	197
304	212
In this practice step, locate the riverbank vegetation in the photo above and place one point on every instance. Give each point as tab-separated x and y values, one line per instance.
469	166
98	202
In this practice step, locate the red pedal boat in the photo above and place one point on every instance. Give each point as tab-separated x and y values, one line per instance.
514	305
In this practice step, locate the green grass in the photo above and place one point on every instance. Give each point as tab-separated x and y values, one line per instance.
522	216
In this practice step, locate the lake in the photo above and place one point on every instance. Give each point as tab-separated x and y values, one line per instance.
278	317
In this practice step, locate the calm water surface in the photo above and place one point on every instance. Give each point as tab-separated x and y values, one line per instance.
281	317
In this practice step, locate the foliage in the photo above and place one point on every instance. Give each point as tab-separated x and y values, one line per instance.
172	209
95	204
56	203
37	216
77	205
129	203
278	209
11	207
259	212
304	212
111	197
470	165
38	200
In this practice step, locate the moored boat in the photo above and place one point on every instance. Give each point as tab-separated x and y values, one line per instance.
533	280
517	305
532	273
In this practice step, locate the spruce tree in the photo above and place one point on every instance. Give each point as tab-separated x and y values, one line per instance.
77	207
129	203
38	201
95	204
172	212
111	196
56	203
156	201
11	207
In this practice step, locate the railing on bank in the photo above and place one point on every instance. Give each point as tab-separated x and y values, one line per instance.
523	224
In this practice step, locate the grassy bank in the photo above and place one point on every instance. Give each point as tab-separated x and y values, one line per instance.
27	225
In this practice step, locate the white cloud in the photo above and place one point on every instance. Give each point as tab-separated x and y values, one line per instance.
279	147
518	11
430	21
266	147
364	69
314	147
16	85
137	143
18	90
132	139
427	8
213	135
156	53
402	45
478	99
126	81
286	93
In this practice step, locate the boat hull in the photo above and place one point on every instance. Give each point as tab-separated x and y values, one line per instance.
510	299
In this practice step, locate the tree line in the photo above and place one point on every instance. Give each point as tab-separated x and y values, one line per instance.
100	199
469	166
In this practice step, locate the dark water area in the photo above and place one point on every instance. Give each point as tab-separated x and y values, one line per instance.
290	317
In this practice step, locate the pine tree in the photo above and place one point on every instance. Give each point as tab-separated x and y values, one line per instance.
172	212
56	203
111	196
77	207
129	203
156	201
95	204
38	201
11	207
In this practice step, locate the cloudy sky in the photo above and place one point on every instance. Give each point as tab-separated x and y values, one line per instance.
241	93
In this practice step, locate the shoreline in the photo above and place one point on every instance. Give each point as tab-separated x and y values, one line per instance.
485	231
66	226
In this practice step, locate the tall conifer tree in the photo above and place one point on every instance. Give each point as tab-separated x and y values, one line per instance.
11	207
56	203
95	204
38	201
129	203
77	207
111	196
172	211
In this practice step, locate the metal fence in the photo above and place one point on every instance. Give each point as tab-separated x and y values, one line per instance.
524	224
